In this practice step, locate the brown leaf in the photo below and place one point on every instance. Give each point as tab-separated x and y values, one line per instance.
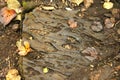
6	15
13	74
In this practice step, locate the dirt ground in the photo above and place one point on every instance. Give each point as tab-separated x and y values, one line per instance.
72	42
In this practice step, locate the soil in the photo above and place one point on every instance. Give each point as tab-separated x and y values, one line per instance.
72	44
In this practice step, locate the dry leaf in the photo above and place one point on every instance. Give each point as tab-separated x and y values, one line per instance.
108	5
23	47
13	75
15	5
45	70
10	12
87	3
27	46
6	15
78	2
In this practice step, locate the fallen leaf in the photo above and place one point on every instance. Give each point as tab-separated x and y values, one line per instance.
78	2
108	5
13	75
15	5
45	70
27	46
23	47
6	15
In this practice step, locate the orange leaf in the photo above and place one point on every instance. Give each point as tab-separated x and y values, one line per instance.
6	15
26	44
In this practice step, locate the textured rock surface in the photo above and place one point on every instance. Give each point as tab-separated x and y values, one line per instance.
58	47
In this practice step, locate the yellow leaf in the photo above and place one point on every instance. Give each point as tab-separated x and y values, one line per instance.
13	75
19	43
22	53
45	70
13	4
21	48
108	5
26	44
78	2
19	17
